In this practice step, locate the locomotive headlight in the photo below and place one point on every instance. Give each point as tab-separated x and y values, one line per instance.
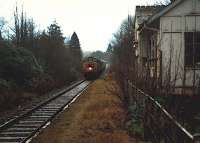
90	68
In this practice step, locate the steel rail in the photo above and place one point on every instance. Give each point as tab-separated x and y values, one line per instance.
25	126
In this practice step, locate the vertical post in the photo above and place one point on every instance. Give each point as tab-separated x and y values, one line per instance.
128	93
131	92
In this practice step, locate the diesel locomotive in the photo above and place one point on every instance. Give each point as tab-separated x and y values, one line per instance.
92	67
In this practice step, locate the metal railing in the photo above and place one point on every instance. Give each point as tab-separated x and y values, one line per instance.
159	125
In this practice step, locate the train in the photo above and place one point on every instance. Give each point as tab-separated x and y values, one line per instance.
92	68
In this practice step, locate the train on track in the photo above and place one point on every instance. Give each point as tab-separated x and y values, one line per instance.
92	67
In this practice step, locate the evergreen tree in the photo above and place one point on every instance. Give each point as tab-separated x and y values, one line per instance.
98	54
74	42
75	50
42	48
56	38
109	49
56	54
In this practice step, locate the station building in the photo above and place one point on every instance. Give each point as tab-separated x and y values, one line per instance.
167	40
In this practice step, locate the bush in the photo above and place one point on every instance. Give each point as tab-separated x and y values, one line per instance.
4	85
19	65
7	96
135	128
42	84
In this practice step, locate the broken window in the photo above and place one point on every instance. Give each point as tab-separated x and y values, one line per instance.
192	48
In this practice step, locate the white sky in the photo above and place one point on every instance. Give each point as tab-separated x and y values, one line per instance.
94	21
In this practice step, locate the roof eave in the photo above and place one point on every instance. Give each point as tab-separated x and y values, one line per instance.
164	11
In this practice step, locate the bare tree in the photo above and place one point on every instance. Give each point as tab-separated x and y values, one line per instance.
2	25
24	30
124	56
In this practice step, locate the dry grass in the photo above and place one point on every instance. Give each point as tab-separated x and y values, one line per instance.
96	117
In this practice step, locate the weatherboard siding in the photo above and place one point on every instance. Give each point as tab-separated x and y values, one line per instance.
185	17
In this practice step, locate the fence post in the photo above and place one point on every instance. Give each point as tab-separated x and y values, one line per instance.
196	138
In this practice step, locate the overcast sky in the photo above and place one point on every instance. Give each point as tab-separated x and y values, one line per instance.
93	20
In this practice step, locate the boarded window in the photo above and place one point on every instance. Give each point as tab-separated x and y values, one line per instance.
192	48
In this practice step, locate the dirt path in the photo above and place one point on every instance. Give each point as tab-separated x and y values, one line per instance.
97	116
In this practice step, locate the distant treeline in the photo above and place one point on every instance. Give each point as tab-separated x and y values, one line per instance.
35	61
100	55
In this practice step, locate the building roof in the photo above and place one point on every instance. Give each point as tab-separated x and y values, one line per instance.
143	13
164	11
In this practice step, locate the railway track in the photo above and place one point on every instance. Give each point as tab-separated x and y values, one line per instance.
22	128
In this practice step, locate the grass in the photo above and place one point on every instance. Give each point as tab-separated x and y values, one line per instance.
97	116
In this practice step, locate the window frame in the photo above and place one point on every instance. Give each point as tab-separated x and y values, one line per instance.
191	49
